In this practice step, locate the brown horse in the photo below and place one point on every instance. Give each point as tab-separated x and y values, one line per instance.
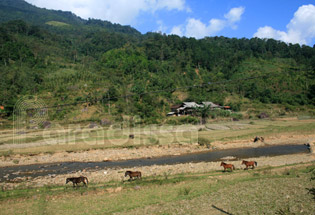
227	166
132	174
77	180
249	163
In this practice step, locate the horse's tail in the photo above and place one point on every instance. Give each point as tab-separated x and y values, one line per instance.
255	163
233	167
87	181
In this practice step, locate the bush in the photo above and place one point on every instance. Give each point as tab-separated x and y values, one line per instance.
189	120
237	115
204	142
6	153
184	191
235	106
183	120
224	113
151	120
172	122
289	108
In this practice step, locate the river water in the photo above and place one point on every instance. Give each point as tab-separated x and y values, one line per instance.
34	170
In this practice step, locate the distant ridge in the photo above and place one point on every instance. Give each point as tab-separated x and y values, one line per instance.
21	10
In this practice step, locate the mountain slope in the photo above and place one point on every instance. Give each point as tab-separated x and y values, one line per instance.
72	64
21	10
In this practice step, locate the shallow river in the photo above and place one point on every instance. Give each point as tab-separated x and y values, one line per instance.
34	170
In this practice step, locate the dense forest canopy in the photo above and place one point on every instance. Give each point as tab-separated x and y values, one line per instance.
64	59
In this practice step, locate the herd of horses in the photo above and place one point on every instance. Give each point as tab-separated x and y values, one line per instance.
137	174
77	180
232	167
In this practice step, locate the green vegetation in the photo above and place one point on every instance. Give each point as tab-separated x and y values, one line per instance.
91	69
240	192
204	142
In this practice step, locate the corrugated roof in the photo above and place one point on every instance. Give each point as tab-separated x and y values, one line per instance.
191	104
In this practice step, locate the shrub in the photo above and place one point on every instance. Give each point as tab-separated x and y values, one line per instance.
204	142
289	108
235	106
184	191
183	120
172	122
6	153
237	115
189	120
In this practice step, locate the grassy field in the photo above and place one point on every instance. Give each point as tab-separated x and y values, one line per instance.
267	190
77	138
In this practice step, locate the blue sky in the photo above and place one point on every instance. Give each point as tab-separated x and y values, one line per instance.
292	21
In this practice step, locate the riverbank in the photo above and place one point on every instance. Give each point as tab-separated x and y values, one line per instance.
239	135
103	175
150	151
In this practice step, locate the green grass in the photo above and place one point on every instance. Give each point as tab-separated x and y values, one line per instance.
169	195
80	139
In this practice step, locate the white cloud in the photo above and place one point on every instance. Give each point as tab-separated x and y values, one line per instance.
234	15
177	30
269	32
301	28
117	11
198	29
168	4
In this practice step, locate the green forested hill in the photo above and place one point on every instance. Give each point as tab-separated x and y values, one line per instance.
64	59
21	10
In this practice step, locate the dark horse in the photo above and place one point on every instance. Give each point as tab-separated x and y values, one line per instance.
77	180
227	166
132	174
258	138
249	163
